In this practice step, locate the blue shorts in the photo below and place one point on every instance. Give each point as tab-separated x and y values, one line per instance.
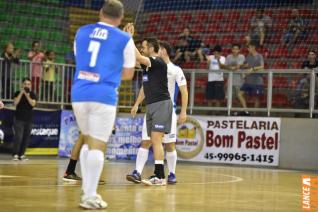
253	90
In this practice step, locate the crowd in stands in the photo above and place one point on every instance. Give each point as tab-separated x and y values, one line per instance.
43	71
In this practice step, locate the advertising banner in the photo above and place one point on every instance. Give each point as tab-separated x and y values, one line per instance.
123	144
230	140
44	135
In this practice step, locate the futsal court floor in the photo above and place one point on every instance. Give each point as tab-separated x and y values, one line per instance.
36	185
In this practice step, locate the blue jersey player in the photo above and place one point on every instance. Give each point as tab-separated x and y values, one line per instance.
104	55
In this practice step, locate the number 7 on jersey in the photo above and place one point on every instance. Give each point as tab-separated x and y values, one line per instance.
94	49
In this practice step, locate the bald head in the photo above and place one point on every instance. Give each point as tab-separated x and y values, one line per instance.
113	9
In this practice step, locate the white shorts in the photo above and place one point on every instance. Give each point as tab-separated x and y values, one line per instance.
168	138
95	119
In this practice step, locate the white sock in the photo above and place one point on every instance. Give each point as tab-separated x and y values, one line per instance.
94	167
142	157
83	157
172	161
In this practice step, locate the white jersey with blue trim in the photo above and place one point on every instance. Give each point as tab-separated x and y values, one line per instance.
101	51
176	79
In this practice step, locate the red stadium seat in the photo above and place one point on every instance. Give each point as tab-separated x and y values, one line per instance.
299	52
155	18
166	28
202	65
226	39
280	82
216	16
296	65
169	17
233	16
279	65
279	52
211	40
313	39
202	17
230	27
263	51
247	15
185	17
226	51
150	28
275	39
282	14
199	98
198	28
213	27
188	65
280	99
305	13
200	81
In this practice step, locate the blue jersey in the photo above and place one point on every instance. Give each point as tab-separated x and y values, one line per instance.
99	52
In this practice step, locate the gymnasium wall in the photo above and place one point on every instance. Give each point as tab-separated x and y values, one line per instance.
299	144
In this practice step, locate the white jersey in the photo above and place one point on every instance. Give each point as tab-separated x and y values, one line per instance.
214	69
176	79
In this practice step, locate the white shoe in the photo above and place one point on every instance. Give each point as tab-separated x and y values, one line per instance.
15	157
23	158
95	202
154	181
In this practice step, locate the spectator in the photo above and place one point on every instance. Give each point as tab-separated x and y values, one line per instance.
9	57
1	105
312	61
24	101
253	85
68	74
49	76
234	62
301	97
189	47
36	57
260	24
215	87
295	30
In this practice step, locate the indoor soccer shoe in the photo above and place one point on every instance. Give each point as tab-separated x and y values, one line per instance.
172	178
134	177
154	181
23	158
95	202
15	157
72	178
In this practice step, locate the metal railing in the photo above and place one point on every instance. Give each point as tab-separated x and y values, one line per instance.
57	91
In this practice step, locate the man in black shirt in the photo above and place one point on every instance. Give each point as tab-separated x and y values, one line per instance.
312	61
24	101
158	102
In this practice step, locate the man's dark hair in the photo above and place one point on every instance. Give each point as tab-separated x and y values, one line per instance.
35	42
48	52
26	79
167	47
217	48
311	51
113	9
152	42
253	43
237	45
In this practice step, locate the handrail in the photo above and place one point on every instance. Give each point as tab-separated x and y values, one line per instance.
64	75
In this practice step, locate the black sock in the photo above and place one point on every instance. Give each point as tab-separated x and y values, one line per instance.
71	166
160	171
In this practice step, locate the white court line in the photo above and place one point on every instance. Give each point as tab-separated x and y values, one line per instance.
8	176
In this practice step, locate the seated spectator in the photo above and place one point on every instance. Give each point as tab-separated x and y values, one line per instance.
234	62
301	97
9	57
253	85
295	30
36	57
215	87
188	47
312	61
49	77
260	25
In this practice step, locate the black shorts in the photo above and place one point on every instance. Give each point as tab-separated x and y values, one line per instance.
215	90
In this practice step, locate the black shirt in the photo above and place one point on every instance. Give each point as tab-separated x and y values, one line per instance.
306	64
155	81
23	110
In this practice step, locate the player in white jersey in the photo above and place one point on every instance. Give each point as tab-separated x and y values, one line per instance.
176	81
